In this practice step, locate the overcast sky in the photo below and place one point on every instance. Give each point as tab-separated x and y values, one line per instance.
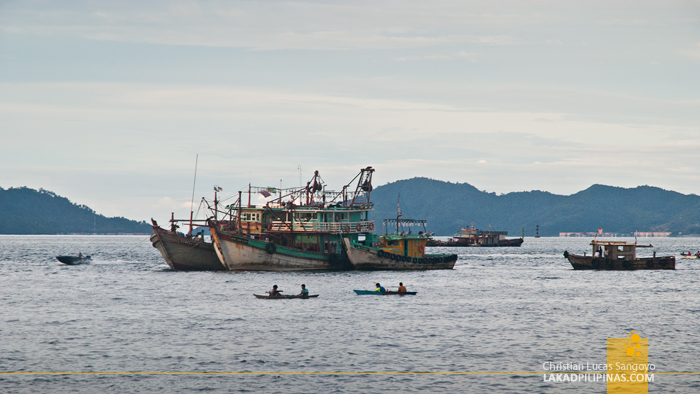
107	103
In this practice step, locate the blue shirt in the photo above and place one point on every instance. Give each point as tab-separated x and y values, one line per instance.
381	289
305	292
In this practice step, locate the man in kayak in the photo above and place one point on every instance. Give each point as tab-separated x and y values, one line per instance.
274	292
380	288
304	291
402	288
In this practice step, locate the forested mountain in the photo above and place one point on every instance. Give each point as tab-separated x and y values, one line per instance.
446	206
451	206
28	211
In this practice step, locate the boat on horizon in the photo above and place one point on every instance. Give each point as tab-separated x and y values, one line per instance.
471	236
400	250
301	229
619	256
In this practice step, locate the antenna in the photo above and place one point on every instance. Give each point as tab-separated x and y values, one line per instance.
196	161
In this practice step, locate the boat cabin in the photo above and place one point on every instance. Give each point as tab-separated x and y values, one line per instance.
411	245
616	250
404	242
252	220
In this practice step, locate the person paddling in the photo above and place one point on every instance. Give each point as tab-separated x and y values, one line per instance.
304	291
274	292
380	288
402	288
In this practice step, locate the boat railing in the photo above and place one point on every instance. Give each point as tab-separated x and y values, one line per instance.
328	227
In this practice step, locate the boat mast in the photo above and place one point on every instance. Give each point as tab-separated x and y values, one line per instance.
196	161
216	202
398	212
240	193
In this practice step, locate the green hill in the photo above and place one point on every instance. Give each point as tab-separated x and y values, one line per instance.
451	206
28	211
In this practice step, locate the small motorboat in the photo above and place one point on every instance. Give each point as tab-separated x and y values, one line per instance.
689	256
372	292
283	297
74	260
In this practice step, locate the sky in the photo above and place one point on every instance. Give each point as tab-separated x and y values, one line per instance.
111	104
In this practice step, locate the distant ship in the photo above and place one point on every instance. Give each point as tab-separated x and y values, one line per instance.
471	236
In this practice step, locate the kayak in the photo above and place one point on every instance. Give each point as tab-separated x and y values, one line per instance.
283	297
74	260
372	292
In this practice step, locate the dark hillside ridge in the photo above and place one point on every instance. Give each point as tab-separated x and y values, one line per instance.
450	206
28	211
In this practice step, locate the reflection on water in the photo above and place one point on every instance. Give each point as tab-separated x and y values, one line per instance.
499	310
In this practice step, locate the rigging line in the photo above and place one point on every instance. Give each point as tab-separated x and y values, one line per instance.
196	215
196	161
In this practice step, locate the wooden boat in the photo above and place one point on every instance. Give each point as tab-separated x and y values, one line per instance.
619	256
689	256
74	260
372	292
283	297
398	251
302	229
471	236
185	252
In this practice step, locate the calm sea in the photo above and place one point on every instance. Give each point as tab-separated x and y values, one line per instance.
501	310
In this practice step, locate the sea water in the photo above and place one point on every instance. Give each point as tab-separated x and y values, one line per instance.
126	323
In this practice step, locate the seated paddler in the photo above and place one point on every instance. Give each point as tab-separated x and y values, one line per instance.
402	288
304	291
380	288
274	292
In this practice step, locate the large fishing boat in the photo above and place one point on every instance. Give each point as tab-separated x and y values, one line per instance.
400	250
185	252
471	236
619	256
300	229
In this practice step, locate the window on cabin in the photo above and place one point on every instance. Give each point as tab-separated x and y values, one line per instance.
306	216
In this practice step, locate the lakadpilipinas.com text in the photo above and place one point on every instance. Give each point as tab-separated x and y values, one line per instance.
595	372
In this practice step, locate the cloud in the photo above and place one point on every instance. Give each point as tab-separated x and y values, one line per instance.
458	55
262	135
692	52
279	25
624	22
